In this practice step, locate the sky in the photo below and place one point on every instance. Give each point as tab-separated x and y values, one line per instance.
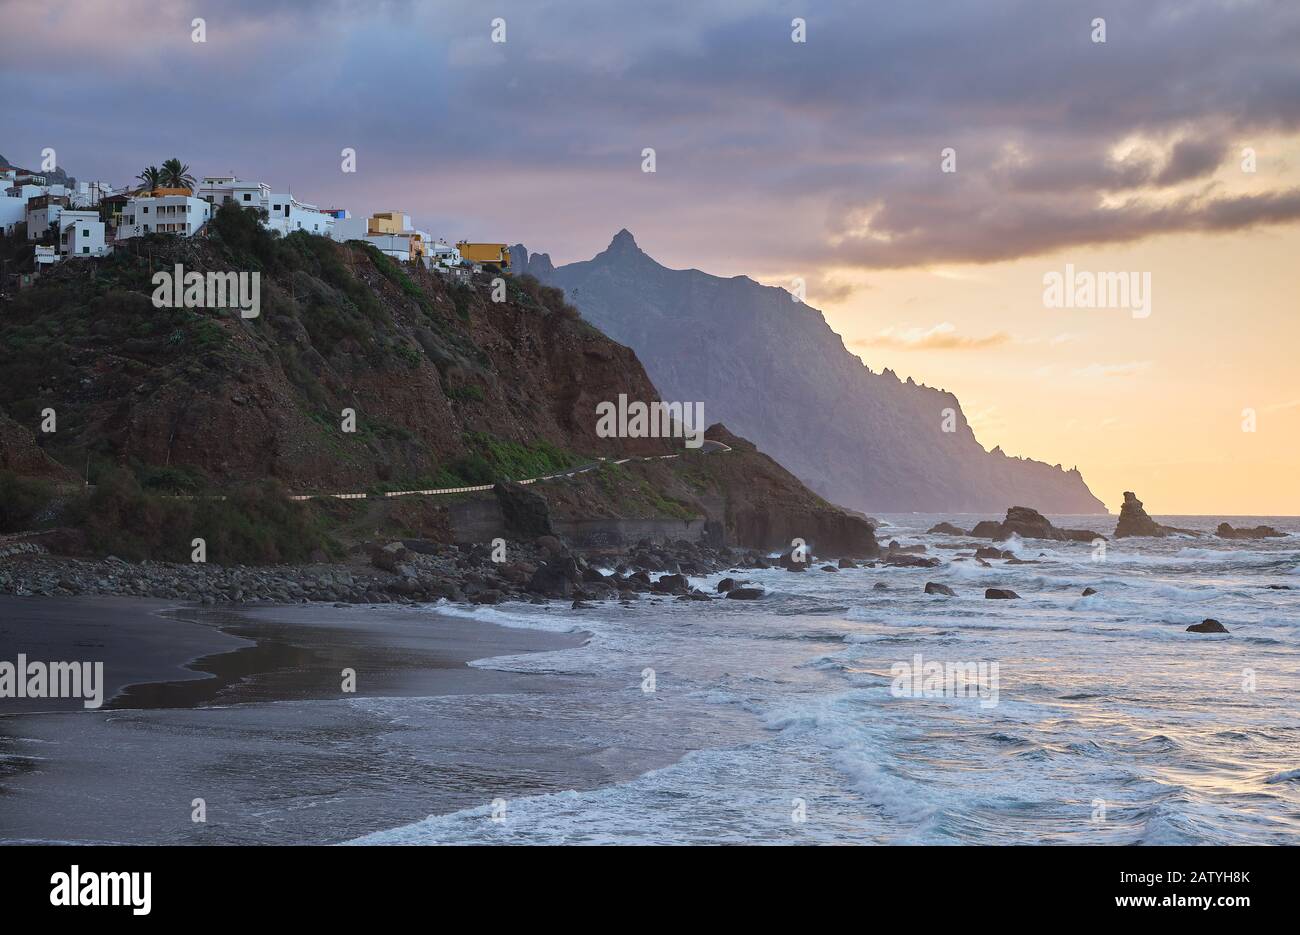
1170	151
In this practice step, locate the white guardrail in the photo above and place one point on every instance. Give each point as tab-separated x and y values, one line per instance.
479	488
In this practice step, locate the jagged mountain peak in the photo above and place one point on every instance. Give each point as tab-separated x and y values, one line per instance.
622	247
786	380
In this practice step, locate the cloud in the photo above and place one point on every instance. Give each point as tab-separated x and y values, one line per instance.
940	337
825	153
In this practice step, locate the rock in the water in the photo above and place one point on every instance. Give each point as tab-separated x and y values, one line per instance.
745	594
1088	592
727	584
1000	594
792	562
1134	521
1209	625
1028	523
946	529
933	587
829	568
880	586
848	563
987	551
898	560
671	584
1225	531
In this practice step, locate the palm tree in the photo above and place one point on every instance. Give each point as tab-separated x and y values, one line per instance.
176	175
151	177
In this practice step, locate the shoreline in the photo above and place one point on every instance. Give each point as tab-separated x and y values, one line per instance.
244	709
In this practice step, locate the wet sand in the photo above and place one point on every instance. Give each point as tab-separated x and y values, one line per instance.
245	709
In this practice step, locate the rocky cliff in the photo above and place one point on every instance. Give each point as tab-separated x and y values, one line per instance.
446	386
775	372
359	374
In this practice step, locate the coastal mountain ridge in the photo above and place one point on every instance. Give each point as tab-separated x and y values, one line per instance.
775	372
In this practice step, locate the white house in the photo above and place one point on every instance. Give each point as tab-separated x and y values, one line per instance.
163	211
284	213
350	228
81	234
398	246
441	253
13	211
42	211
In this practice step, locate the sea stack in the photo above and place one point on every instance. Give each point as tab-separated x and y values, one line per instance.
1134	521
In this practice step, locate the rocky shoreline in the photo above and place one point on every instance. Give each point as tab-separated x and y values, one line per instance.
412	571
404	572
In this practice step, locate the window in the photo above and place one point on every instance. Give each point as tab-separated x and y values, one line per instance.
85	249
144	210
85	233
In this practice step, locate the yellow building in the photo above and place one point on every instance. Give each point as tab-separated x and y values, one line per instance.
389	222
497	254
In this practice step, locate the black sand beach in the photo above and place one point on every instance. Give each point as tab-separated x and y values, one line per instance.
244	709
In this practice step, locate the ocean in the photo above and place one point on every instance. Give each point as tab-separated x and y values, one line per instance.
794	719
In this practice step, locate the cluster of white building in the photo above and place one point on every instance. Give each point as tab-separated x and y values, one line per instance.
90	218
28	198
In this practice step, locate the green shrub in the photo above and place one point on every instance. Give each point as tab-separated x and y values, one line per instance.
22	500
253	525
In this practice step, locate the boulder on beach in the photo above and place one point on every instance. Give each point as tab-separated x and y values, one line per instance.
933	587
1209	625
1000	594
1225	531
525	512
